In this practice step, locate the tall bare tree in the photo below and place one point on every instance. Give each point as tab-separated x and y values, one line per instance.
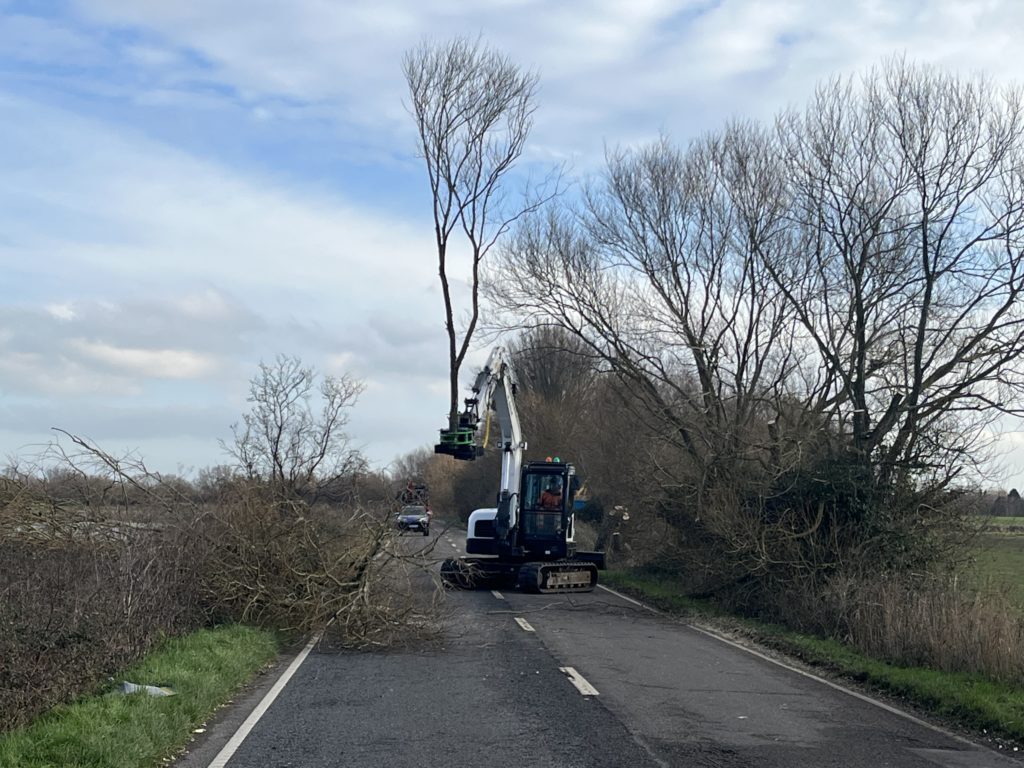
659	272
473	109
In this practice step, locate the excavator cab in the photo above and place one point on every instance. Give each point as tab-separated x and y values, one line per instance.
545	533
546	495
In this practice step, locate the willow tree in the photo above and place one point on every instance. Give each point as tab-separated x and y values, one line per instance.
473	109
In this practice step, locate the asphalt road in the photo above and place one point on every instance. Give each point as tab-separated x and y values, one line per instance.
494	692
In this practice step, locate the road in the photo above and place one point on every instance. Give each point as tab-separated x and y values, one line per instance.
495	692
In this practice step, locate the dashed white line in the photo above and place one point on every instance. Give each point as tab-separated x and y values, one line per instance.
580	682
250	722
497	594
524	624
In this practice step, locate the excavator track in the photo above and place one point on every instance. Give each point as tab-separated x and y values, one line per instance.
559	576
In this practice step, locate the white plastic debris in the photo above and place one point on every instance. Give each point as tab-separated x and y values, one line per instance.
152	690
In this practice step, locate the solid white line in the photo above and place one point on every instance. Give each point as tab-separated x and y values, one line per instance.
836	686
497	594
524	624
784	665
580	682
626	598
250	722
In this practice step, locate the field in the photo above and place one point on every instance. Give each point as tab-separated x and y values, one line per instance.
1000	557
1000	564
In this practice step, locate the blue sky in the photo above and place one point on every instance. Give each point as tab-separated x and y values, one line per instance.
191	187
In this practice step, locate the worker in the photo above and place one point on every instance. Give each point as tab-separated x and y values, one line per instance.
551	498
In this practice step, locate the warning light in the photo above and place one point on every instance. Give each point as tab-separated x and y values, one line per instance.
548	459
557	460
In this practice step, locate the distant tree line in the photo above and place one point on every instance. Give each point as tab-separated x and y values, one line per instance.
1010	505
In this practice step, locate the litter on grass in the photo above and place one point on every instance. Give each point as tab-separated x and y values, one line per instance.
152	690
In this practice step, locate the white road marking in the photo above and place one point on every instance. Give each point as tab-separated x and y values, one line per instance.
250	722
580	682
784	665
497	594
524	624
627	599
455	546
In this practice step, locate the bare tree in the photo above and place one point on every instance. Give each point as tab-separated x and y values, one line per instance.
473	110
557	386
908	188
281	440
657	272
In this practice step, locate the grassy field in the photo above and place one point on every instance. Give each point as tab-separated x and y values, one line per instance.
1000	564
139	731
999	557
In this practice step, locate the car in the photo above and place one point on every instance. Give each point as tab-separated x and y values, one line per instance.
414	517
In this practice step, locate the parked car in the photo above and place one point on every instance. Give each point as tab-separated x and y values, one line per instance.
414	517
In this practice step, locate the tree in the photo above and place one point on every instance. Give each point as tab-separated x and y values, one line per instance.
283	442
657	273
908	192
556	386
473	110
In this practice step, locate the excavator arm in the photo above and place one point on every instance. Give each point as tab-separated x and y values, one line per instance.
493	390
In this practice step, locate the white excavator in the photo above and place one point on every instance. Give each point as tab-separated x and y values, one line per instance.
527	540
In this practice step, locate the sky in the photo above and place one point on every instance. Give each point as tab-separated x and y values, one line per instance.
189	188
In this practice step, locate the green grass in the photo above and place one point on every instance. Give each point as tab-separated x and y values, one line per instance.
1016	523
1000	565
112	731
974	701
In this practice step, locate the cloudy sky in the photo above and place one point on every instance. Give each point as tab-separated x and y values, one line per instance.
191	187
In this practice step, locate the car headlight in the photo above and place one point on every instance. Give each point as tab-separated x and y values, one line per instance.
423	521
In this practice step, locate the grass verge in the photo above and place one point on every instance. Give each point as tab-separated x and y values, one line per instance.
972	701
114	731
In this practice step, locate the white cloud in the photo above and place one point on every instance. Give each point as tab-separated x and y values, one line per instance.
27	38
149	363
41	376
126	209
63	311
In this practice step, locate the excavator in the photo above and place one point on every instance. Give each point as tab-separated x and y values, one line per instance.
527	540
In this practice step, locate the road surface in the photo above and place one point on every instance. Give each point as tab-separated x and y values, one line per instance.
570	680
